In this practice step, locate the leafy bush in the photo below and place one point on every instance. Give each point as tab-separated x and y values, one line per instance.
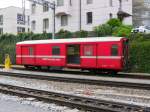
8	43
64	34
123	31
140	56
81	34
103	30
114	22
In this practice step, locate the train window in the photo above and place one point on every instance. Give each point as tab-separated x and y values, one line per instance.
31	51
88	50
114	50
56	50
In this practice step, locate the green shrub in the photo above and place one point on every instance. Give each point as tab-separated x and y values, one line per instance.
140	56
114	22
103	30
123	31
64	34
8	43
81	34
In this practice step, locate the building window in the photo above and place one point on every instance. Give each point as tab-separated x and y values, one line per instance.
89	17
55	50
70	2
114	50
33	8
28	20
89	1
64	20
28	29
33	25
20	29
1	31
60	2
110	16
45	24
1	19
45	7
88	50
110	3
20	19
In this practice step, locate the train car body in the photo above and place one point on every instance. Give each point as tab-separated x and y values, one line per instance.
97	53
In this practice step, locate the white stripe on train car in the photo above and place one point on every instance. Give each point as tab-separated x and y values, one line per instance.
90	57
102	57
82	57
38	56
109	57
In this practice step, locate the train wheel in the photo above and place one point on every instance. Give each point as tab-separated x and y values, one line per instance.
113	72
92	71
26	66
38	67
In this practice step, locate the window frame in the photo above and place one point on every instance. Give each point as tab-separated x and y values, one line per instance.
86	53
1	19
33	25
116	48
31	51
111	3
45	24
89	2
64	20
1	31
59	4
21	29
57	52
33	9
89	17
45	7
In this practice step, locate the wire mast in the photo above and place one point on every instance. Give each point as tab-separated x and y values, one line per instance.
51	5
24	11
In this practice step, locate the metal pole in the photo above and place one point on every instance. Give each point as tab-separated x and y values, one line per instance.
54	25
80	15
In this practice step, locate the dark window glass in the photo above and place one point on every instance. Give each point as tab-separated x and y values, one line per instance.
89	17
110	3
31	51
114	50
45	7
88	50
64	20
56	50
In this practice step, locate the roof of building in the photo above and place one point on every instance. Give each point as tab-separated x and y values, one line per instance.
72	40
13	7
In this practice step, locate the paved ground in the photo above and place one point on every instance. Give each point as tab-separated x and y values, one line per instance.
12	106
16	104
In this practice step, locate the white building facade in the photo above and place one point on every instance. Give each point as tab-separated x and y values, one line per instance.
76	15
12	20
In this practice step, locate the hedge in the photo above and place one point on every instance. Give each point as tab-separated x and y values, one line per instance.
8	43
140	56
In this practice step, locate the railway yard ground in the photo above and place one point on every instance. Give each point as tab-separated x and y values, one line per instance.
114	94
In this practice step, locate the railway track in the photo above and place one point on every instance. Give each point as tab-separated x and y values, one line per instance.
90	81
83	103
78	72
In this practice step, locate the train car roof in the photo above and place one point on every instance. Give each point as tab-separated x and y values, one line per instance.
72	40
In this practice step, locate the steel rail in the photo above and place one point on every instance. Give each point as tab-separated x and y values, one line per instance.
120	75
83	103
101	82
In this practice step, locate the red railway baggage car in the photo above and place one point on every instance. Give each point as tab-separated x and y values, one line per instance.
97	53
